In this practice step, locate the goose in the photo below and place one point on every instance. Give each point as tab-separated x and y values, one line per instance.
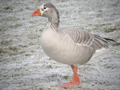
68	45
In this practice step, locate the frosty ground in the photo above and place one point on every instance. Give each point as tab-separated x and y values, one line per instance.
24	65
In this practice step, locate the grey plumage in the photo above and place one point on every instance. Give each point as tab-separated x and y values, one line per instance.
78	36
84	37
67	45
53	15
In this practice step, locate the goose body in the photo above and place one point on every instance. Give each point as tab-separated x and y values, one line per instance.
66	45
61	47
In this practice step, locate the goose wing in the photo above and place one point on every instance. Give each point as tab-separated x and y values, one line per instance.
84	37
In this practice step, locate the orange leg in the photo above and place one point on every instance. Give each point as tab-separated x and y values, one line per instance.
75	79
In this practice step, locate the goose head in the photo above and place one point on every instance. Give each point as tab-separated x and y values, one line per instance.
46	10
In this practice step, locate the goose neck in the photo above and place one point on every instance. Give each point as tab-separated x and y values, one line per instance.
53	23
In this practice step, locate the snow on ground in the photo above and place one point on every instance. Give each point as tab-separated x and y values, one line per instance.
23	64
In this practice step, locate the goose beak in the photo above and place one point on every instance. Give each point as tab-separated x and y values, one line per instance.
36	13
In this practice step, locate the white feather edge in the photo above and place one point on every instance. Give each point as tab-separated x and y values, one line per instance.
100	52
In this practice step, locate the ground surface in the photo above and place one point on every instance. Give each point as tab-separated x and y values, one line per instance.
23	64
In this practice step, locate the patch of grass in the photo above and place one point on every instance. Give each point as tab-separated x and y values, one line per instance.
16	26
23	46
28	54
13	48
33	35
65	77
6	42
49	66
12	53
111	29
7	8
116	44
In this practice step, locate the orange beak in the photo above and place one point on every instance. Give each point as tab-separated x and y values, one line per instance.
36	13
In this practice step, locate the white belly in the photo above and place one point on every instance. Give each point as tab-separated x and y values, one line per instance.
58	49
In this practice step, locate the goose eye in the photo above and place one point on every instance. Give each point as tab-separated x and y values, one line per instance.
44	8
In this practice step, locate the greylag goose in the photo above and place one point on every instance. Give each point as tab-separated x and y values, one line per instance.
66	45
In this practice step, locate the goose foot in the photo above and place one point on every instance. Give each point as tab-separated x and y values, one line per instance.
75	80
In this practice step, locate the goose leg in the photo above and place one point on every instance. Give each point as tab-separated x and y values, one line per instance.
75	79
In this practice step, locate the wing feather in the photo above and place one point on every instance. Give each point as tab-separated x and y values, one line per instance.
84	37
